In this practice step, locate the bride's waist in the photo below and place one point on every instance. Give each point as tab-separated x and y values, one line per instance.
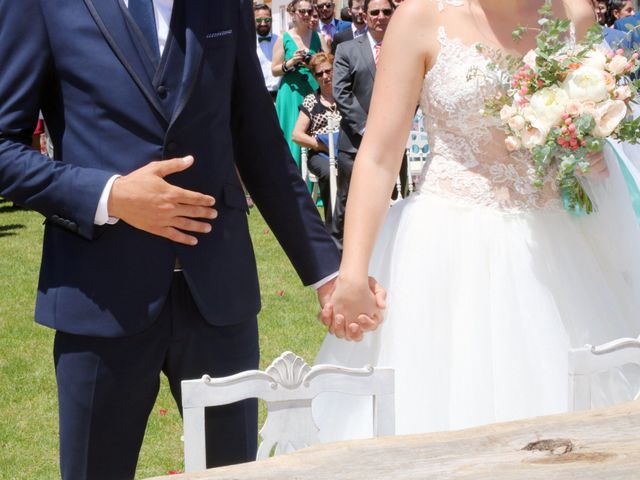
499	185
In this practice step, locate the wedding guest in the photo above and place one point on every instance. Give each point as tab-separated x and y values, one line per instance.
291	55
344	14
614	38
618	9
266	41
315	19
329	25
358	25
316	110
354	73
600	7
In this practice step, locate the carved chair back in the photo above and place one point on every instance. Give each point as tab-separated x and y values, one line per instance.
288	387
587	361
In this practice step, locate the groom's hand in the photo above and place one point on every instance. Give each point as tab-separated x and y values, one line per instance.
353	327
144	200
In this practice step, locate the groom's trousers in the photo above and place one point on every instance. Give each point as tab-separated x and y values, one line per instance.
107	388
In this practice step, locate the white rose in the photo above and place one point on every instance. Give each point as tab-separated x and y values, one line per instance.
530	59
516	122
507	112
622	92
586	83
617	65
596	59
546	107
532	137
608	116
512	143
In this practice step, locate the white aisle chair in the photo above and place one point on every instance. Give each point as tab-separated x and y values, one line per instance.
333	169
590	360
417	151
288	386
307	176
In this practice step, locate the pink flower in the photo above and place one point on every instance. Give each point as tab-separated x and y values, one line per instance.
512	143
622	92
617	65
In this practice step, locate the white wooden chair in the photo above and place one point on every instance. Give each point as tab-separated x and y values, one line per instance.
307	175
288	386
417	151
589	360
333	169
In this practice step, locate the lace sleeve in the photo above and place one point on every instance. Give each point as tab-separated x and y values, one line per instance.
453	3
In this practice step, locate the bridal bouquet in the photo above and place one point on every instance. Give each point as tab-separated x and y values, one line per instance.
560	102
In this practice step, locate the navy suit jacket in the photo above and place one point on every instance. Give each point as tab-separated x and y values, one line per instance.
111	110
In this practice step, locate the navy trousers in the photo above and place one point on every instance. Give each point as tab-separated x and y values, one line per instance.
107	388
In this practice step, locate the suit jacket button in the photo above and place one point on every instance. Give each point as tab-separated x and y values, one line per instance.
172	147
162	92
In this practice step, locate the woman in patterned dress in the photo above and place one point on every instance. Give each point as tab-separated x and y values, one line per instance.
315	111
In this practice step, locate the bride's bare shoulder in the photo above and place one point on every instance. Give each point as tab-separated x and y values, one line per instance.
420	17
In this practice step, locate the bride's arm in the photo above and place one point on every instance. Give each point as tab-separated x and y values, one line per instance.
399	79
582	14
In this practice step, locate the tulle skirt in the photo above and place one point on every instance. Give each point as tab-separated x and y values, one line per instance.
483	307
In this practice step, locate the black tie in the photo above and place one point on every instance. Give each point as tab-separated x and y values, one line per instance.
142	13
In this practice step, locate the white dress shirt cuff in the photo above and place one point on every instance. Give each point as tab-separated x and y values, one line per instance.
326	279
102	212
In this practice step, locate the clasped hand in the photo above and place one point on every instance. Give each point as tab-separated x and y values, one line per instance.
351	308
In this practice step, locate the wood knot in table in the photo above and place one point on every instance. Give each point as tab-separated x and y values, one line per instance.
555	446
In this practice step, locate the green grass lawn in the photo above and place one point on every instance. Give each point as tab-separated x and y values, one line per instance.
28	406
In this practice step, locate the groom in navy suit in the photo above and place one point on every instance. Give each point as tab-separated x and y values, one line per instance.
147	262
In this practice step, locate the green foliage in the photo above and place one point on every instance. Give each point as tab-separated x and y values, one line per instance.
28	403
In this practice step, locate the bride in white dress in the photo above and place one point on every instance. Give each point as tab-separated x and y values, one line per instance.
490	281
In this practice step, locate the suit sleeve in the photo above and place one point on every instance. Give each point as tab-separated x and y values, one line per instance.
354	117
63	192
267	167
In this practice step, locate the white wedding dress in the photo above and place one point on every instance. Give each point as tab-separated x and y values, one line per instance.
490	281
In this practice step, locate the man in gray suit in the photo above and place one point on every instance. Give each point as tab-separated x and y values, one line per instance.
354	70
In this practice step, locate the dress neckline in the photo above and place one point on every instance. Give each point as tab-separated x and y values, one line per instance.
444	39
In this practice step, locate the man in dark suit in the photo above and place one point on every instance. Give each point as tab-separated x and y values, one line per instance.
358	25
354	71
147	261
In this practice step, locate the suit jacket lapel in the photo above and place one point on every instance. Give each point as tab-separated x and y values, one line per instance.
112	24
196	18
367	55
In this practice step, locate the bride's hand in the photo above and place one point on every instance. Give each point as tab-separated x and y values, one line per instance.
354	308
597	166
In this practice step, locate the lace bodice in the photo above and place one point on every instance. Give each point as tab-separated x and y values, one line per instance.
468	160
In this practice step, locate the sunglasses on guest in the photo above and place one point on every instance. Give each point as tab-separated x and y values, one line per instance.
387	12
305	11
321	73
266	20
324	6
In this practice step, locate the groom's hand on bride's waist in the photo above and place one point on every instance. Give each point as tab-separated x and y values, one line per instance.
144	200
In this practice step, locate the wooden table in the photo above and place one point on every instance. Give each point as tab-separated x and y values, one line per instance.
598	444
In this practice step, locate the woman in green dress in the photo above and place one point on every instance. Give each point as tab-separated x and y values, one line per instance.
291	54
